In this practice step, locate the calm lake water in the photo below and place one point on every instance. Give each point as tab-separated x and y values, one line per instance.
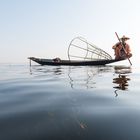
69	103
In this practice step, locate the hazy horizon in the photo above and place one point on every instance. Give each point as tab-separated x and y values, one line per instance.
45	28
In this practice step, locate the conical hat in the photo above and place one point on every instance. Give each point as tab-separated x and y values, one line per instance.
125	38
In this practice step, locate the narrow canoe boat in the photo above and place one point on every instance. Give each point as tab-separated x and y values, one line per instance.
80	53
72	62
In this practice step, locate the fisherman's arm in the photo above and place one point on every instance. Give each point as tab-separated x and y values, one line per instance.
116	45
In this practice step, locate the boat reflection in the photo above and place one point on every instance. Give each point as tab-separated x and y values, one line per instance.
88	77
79	77
122	78
57	70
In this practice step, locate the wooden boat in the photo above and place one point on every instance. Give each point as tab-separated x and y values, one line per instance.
54	62
80	53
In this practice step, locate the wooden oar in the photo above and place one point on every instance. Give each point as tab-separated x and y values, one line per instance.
123	47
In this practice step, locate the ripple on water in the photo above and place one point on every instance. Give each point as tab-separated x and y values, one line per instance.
68	103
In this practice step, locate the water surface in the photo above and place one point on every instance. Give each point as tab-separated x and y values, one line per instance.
68	102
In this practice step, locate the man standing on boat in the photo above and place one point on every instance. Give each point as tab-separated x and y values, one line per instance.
122	49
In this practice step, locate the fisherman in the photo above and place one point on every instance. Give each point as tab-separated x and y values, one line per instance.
122	49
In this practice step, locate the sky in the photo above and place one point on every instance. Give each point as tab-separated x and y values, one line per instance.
44	28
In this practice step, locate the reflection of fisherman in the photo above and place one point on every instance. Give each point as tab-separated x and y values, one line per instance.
121	81
122	49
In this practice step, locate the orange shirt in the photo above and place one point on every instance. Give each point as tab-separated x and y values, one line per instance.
120	52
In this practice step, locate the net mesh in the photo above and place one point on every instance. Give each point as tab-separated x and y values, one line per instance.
80	49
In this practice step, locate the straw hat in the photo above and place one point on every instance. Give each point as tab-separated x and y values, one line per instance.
124	38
